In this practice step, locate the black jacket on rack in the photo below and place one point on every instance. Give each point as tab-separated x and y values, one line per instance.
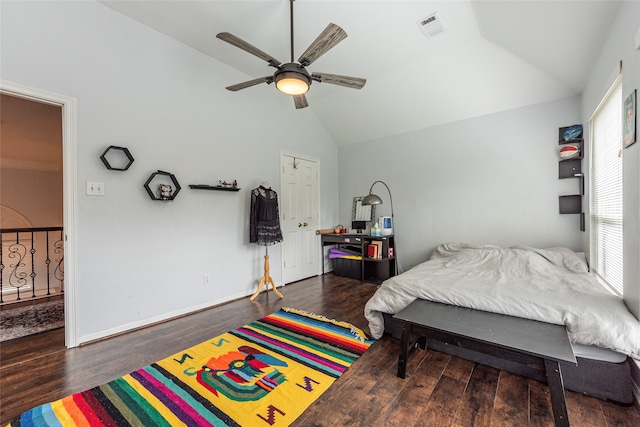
264	222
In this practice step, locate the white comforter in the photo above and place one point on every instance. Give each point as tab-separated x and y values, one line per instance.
549	285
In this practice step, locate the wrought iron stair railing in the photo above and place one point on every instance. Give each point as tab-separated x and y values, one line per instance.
32	263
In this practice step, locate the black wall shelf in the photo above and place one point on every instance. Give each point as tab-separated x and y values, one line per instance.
572	168
176	186
569	168
115	148
570	204
212	187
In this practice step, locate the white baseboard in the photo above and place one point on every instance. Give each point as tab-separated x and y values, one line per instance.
150	321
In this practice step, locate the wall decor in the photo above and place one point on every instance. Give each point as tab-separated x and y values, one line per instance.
164	191
629	119
222	186
115	149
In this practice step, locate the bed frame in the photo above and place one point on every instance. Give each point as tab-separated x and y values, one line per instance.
603	380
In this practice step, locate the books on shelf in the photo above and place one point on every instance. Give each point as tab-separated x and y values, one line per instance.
374	249
371	251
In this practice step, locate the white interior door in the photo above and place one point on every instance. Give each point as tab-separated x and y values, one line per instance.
299	216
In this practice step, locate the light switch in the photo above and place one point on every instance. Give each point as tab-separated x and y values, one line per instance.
95	188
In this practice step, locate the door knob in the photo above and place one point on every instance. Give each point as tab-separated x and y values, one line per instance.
305	224
299	225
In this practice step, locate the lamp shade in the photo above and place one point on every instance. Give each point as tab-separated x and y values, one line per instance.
371	199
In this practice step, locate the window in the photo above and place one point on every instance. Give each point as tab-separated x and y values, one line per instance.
606	189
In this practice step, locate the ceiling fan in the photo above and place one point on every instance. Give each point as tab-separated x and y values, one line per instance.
293	78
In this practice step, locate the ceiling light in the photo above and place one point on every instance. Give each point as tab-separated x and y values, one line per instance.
292	85
292	79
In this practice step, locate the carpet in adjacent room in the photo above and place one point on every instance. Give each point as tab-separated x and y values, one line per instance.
31	319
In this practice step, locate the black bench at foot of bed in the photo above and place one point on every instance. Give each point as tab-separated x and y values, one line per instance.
529	342
596	378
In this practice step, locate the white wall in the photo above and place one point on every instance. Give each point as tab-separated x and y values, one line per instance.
487	180
141	260
619	46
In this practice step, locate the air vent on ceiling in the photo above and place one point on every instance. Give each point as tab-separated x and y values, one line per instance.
431	25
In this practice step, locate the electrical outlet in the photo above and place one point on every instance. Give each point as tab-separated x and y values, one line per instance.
206	279
95	188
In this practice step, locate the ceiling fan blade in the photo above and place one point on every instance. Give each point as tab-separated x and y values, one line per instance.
244	85
331	36
300	101
352	82
238	42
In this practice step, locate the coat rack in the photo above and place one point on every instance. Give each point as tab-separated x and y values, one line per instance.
266	279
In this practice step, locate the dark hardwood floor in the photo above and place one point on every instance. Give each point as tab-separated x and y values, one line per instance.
440	390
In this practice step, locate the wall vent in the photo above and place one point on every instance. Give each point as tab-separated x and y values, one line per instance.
431	25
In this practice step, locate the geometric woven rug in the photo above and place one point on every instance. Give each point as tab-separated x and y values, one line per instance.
265	373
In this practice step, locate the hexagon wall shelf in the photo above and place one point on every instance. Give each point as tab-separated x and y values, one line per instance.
124	151
172	177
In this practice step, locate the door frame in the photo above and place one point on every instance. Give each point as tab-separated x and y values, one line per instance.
283	155
69	194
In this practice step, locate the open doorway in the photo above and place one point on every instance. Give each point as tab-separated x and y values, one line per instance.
38	166
31	217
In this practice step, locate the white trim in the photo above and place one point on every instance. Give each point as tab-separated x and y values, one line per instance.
615	79
158	319
298	156
70	198
607	87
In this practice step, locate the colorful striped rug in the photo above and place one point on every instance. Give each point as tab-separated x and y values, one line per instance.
264	373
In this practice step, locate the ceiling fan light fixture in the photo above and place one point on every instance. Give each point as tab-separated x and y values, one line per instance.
292	84
292	79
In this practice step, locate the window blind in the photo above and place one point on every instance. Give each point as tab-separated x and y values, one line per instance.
606	185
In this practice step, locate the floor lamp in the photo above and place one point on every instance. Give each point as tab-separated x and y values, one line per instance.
373	199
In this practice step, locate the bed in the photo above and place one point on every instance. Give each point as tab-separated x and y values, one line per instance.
550	285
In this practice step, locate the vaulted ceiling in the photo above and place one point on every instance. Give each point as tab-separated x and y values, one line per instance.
493	55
